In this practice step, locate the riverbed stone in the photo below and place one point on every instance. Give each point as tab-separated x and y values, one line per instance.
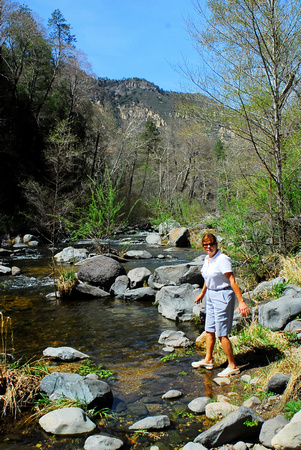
95	393
199	404
217	410
4	270
151	423
100	271
289	437
138	276
252	402
86	291
138	254
194	446
67	421
102	442
270	428
119	286
278	383
64	354
71	255
176	302
172	338
153	239
144	294
173	393
231	428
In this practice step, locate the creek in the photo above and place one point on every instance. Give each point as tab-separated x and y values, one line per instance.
123	337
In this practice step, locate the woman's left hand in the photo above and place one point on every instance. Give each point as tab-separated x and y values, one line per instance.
243	309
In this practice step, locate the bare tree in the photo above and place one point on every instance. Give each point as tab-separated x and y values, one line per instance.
250	65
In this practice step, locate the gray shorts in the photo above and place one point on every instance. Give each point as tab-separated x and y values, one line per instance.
219	311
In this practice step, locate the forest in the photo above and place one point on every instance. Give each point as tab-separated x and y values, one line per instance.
82	155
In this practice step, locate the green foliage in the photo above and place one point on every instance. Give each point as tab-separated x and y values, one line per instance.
280	287
87	366
248	423
291	408
103	213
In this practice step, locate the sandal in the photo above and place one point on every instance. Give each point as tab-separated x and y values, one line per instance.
203	364
228	371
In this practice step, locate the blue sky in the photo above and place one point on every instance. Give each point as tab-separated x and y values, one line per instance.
128	38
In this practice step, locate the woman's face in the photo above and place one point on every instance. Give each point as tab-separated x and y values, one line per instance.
210	247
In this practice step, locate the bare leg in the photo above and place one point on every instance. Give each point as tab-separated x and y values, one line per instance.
210	342
227	347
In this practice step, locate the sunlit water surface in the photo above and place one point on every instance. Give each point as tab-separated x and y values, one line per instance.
120	335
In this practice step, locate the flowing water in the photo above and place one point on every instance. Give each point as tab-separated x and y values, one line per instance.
120	335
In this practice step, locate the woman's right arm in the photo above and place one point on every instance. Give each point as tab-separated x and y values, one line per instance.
202	294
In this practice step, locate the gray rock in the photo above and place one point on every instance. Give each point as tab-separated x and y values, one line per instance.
193	446
199	404
278	383
67	421
86	291
217	410
179	237
71	385
100	271
177	302
151	422
267	286
64	354
177	275
4	270
153	239
167	226
27	238
138	276
289	437
293	327
240	445
270	428
138	254
101	442
233	427
120	285
144	293
277	313
71	255
173	393
174	339
252	402
15	271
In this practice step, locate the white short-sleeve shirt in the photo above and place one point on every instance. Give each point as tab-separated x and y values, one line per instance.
214	269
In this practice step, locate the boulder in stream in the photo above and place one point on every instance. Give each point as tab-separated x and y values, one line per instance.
67	421
100	271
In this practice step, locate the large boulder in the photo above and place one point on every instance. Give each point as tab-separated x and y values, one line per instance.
100	271
270	428
277	313
86	291
119	286
180	237
177	275
91	391
243	424
177	302
289	437
67	421
174	339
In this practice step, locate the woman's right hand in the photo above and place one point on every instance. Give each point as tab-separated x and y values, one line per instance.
198	299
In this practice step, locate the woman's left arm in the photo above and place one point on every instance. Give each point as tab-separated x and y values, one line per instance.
242	307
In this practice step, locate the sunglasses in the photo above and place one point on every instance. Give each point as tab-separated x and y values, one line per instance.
210	244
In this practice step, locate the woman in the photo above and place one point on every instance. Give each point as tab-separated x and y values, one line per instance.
221	288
